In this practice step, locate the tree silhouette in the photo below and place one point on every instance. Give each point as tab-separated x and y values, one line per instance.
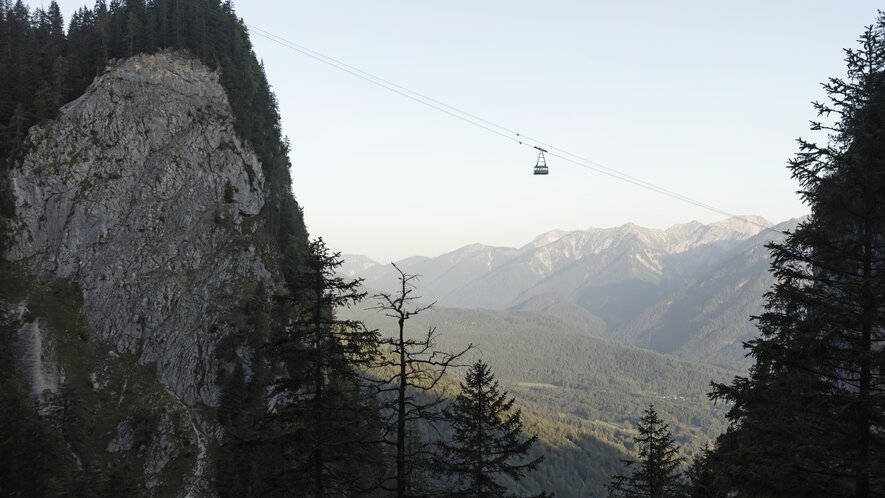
487	441
418	367
810	417
323	408
657	472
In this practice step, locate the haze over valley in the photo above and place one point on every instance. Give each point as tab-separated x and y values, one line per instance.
687	291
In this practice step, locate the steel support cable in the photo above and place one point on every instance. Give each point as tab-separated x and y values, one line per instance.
493	127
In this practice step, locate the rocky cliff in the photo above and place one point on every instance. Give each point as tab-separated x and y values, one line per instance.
136	233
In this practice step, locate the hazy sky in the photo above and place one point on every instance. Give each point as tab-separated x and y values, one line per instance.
703	98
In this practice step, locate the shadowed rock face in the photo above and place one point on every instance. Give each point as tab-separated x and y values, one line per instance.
137	193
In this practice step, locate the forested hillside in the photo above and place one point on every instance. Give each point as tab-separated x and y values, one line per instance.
584	395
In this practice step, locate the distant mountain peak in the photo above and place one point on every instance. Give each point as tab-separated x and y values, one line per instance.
685	290
691	225
573	263
354	264
475	247
545	238
750	224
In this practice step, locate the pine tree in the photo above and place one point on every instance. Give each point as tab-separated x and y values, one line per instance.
488	438
244	463
703	478
321	403
657	472
810	417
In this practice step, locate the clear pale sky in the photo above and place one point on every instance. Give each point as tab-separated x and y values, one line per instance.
702	98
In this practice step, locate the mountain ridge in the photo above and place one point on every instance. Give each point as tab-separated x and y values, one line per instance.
609	280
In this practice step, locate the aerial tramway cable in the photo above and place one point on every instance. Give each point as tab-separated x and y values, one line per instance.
492	127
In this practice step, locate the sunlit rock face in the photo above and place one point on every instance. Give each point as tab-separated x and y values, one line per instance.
142	194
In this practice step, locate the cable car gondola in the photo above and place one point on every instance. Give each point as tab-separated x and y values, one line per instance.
541	165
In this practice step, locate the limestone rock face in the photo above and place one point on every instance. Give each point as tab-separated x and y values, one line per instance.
142	194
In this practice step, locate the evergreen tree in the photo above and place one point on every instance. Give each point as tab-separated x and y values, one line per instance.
657	472
810	417
703	477
55	43
322	408
487	441
245	462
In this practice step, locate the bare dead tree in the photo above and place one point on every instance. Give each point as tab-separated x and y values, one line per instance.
418	368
